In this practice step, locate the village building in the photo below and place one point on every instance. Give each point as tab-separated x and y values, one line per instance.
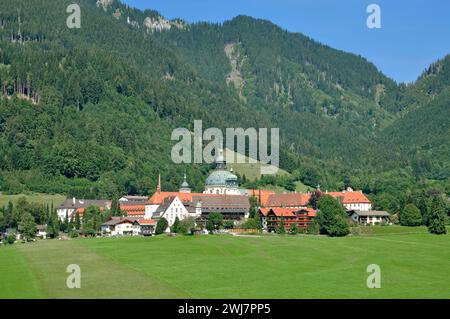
371	217
119	226
272	218
231	204
41	231
232	207
147	226
133	209
171	209
352	200
222	181
288	200
134	199
73	206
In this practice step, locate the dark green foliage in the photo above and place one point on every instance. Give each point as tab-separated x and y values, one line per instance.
11	238
228	224
437	218
410	216
27	226
332	218
250	223
187	226
161	226
215	221
294	229
77	222
176	226
92	220
89	112
280	229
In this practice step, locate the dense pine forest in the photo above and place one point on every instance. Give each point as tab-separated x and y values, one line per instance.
89	112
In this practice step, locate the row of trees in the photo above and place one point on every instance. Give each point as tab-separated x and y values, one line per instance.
433	215
25	216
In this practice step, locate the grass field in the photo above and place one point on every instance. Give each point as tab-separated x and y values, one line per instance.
413	265
33	198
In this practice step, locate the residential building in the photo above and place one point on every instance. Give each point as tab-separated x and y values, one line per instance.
119	226
273	217
371	217
72	206
147	226
232	207
141	199
171	208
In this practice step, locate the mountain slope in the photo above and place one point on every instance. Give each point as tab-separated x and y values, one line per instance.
90	111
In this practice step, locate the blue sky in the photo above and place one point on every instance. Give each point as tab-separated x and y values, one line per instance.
413	33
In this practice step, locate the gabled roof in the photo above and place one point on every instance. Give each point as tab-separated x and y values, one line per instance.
264	210
262	195
377	213
118	220
350	196
159	197
288	212
288	200
239	202
133	209
84	203
146	222
135	198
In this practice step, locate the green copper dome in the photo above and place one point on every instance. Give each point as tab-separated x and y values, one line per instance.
221	177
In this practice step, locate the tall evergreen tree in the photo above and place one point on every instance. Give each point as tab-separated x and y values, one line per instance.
332	217
438	218
410	216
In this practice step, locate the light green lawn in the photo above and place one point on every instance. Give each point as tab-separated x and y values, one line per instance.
412	266
33	198
16	278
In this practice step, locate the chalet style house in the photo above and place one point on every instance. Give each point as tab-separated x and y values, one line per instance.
271	218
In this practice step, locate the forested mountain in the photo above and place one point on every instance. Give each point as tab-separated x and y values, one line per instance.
89	112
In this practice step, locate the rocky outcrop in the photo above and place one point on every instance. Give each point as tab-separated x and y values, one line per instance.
160	24
104	3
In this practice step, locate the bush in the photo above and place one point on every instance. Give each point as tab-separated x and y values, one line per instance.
313	228
187	226
161	226
410	216
11	238
73	234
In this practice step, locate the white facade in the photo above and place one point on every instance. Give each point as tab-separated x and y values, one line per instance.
149	210
175	209
222	190
364	207
63	212
124	228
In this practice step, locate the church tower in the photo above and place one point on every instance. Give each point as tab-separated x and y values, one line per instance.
185	186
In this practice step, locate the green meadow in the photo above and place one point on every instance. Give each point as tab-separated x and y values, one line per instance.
414	264
46	199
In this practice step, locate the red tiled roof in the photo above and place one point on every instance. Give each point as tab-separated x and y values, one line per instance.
159	197
264	210
147	222
80	211
136	213
262	195
349	197
288	200
281	211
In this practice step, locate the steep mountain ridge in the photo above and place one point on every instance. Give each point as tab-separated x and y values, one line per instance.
89	111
